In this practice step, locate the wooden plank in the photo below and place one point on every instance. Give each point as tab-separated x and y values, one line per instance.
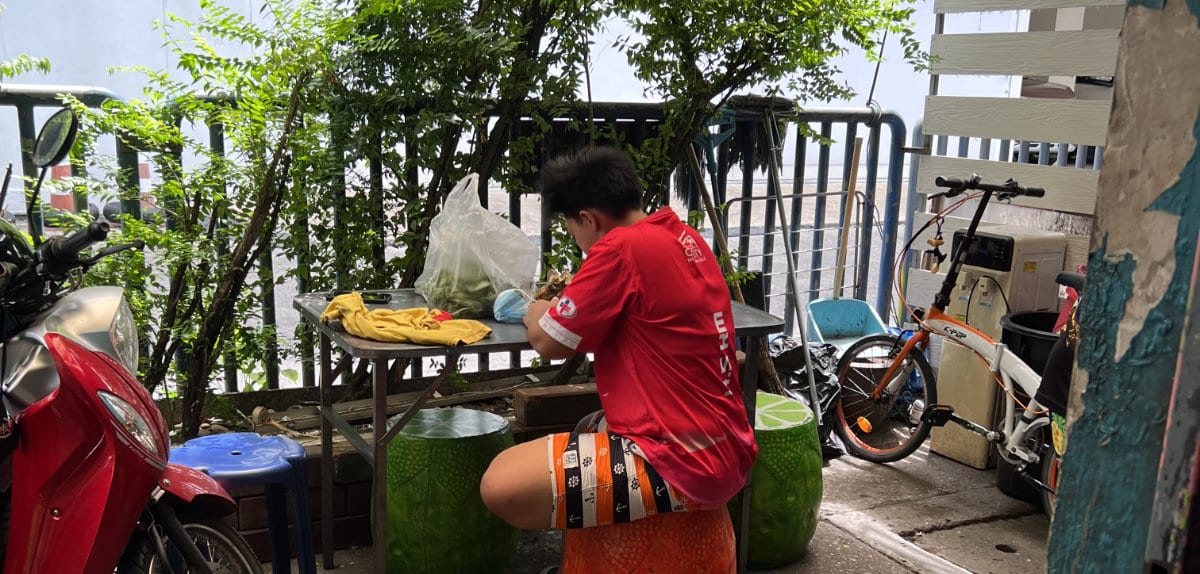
959	6
361	410
1028	119
1068	189
557	404
1077	245
1065	53
522	433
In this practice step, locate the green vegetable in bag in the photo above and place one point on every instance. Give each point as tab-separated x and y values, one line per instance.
473	255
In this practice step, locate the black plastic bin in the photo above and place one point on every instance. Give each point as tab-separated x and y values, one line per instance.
1029	335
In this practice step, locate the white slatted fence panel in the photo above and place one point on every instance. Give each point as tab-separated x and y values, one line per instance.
1068	189
959	6
1036	120
1064	53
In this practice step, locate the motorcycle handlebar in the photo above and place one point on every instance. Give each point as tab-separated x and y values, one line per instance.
67	247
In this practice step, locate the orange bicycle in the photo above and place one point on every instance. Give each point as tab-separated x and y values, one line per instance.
888	400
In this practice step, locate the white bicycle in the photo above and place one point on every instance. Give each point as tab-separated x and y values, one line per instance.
888	400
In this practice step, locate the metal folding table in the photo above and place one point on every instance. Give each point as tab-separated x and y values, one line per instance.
748	322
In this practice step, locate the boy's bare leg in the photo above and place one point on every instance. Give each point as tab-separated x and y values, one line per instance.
517	486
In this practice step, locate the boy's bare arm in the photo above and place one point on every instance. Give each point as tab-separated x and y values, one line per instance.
543	343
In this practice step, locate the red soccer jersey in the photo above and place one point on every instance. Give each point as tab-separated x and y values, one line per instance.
652	305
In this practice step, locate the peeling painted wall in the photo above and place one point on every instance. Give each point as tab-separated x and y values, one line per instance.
1139	271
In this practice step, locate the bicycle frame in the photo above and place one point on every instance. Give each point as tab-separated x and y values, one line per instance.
1002	362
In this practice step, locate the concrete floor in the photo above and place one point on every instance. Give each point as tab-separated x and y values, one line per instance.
926	514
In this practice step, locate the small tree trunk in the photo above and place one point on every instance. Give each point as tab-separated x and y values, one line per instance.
253	241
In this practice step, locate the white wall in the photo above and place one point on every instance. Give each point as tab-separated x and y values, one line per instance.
83	40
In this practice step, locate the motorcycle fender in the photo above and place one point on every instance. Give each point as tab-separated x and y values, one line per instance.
194	488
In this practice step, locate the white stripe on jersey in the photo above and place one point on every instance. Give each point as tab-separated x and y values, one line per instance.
558	332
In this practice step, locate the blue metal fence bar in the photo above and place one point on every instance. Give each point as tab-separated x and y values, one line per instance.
793	232
814	278
337	149
769	224
216	144
867	219
514	215
28	133
748	154
378	210
891	211
306	335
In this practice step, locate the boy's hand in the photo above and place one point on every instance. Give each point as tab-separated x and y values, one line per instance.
537	309
544	344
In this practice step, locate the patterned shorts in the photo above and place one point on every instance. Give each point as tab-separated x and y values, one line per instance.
602	478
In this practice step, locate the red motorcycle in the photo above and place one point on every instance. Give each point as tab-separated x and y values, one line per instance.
86	485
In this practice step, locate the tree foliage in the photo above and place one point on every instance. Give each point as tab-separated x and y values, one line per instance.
222	207
699	54
349	122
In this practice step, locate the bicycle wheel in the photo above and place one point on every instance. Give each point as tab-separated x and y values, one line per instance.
887	428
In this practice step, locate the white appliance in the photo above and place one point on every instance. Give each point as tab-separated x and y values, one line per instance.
1008	269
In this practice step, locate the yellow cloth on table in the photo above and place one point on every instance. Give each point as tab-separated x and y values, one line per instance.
414	325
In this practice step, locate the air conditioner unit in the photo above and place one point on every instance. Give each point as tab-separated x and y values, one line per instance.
1008	269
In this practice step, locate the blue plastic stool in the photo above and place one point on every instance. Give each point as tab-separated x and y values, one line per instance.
276	463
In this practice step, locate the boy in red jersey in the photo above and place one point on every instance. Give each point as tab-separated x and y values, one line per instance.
650	302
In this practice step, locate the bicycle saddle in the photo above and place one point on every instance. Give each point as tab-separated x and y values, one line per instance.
1072	280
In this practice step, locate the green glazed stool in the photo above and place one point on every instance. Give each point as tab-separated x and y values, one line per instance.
437	523
785	499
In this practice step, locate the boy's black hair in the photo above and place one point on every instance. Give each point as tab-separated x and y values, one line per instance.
600	178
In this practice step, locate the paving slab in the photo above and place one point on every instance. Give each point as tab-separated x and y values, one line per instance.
1016	546
836	550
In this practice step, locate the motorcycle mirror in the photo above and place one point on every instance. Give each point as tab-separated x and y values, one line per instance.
54	142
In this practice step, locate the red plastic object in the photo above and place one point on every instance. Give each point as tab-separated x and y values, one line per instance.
440	315
1068	307
699	542
79	480
194	487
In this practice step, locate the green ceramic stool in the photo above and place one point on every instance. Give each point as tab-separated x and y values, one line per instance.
437	522
785	499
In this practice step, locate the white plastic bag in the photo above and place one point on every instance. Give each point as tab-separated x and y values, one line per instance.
473	255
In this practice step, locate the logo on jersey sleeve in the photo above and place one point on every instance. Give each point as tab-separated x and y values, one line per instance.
566	308
690	248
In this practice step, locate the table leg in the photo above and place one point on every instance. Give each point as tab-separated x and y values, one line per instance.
326	455
749	395
379	427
